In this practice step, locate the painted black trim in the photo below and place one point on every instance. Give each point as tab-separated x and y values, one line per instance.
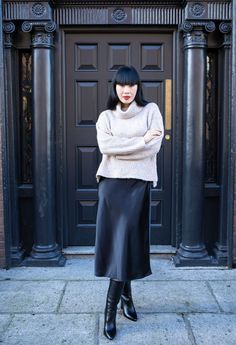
61	112
99	12
119	2
232	145
4	151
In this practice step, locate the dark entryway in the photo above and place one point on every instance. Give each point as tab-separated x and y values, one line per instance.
49	146
90	61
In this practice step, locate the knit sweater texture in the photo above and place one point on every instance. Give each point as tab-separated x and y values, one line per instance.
120	136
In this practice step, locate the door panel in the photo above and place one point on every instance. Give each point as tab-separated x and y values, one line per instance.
91	60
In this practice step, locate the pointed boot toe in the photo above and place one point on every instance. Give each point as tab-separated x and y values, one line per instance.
128	308
110	332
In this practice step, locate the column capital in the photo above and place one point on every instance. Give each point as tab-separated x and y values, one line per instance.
42	39
42	33
194	33
195	39
206	26
9	29
48	26
226	28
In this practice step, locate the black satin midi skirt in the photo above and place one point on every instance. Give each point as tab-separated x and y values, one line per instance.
122	248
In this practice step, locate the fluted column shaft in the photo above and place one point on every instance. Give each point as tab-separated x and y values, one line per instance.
192	250
45	249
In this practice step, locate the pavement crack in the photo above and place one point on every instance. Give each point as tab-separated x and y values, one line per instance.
5	328
189	329
96	342
61	297
214	296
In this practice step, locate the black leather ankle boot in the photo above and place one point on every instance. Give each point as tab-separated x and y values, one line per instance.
127	302
113	297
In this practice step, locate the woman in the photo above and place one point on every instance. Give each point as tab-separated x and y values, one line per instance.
129	135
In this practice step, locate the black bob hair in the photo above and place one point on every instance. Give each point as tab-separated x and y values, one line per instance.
125	75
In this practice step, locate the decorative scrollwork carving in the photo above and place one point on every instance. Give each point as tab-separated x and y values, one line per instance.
40	26
210	26
9	27
119	15
50	27
26	26
8	41
187	27
197	9
42	39
38	9
225	27
196	38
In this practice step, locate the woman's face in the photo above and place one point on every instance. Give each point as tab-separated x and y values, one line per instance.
126	93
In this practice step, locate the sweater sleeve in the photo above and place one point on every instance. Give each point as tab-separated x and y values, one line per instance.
110	144
152	147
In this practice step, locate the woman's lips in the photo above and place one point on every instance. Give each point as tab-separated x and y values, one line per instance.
126	97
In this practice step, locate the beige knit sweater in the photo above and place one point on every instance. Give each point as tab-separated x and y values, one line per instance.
120	136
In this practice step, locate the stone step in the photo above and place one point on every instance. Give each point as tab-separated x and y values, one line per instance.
90	250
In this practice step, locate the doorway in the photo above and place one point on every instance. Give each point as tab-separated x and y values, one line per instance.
91	58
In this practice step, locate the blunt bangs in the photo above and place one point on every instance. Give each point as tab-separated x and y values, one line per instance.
126	76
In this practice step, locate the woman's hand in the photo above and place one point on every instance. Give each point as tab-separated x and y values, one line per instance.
151	134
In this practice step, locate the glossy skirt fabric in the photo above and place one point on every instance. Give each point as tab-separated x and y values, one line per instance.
122	230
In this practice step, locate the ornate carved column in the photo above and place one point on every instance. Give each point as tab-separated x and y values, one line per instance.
221	249
45	250
11	111
192	250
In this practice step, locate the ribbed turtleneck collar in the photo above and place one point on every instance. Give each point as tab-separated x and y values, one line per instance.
132	110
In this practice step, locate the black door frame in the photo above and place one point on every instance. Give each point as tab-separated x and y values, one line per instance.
61	124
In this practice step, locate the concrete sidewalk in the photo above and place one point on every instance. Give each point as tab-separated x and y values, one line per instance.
65	305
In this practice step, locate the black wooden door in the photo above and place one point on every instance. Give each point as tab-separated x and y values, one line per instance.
90	62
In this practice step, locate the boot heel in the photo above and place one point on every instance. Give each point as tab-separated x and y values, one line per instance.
127	304
121	304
